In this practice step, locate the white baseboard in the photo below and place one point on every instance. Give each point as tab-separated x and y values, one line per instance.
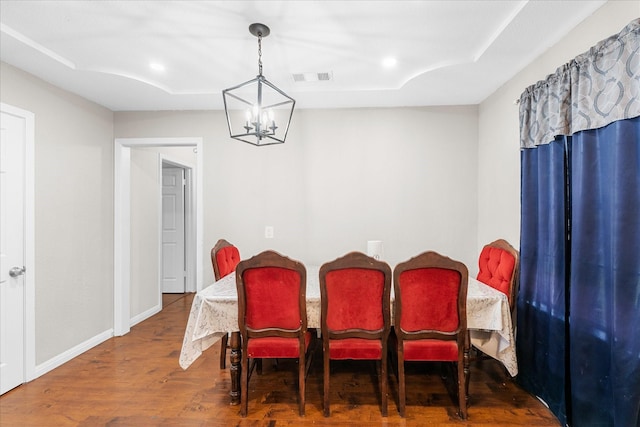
145	315
63	358
76	351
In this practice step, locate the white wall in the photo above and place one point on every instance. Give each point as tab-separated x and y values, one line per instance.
499	138
73	212
406	176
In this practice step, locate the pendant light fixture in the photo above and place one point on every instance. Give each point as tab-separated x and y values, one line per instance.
257	111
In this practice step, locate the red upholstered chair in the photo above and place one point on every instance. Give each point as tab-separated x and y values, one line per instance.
224	258
431	317
356	319
272	316
498	267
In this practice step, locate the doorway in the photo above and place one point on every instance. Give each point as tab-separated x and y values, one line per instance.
122	221
176	234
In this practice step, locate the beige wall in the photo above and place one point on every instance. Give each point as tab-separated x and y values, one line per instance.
145	225
73	212
343	177
498	137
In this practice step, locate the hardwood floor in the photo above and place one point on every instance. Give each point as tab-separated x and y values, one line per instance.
135	380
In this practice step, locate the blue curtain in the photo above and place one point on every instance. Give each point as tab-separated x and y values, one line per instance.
541	298
579	301
605	276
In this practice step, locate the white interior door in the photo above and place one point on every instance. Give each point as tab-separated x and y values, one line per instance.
12	255
173	233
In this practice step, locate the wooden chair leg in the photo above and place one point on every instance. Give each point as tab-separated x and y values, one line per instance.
462	387
244	387
401	386
383	383
302	368
223	351
326	409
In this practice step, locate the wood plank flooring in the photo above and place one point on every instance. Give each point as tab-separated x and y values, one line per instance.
135	380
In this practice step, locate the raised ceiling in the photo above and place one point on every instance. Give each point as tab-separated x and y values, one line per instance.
446	52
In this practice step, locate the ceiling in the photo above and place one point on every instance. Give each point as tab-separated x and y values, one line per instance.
447	52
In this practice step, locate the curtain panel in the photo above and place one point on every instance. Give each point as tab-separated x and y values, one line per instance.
541	339
596	88
605	275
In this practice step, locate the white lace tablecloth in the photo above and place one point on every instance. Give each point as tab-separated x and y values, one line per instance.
214	312
489	324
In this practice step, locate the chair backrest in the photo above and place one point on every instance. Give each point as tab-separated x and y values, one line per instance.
498	265
355	297
271	296
224	257
431	298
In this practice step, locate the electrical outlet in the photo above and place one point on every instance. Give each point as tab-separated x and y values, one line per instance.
268	232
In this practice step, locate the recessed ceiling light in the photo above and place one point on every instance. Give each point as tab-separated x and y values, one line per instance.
155	66
389	62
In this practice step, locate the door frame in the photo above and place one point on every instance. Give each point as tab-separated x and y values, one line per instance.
189	221
29	239
122	221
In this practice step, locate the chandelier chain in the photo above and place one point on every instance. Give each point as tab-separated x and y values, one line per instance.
260	54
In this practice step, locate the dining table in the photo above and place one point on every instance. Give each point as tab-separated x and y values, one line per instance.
214	312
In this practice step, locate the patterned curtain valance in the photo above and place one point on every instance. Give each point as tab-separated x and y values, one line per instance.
596	88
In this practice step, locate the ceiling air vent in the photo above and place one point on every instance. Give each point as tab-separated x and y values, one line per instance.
312	77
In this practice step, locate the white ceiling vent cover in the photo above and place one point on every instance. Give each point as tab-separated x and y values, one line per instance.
312	77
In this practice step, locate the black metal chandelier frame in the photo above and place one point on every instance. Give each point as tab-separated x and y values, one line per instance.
260	127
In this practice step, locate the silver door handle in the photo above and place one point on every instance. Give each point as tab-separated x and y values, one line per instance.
17	271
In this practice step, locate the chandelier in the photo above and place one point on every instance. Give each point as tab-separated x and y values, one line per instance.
257	111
